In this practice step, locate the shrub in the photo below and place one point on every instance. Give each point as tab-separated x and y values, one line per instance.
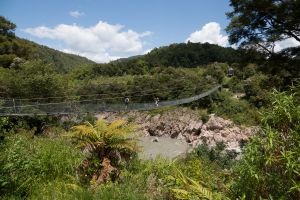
218	154
239	111
235	85
270	166
196	177
256	91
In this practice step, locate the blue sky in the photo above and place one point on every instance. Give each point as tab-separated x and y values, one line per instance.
104	30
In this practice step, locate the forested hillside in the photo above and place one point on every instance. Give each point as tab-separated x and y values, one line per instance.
14	50
63	62
187	55
76	156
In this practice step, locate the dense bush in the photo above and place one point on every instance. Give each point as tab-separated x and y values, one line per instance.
217	154
270	166
26	162
141	180
32	79
239	111
256	90
235	85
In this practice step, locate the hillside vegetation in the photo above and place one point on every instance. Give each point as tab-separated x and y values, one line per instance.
14	50
79	157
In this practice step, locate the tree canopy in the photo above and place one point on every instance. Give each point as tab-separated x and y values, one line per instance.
6	27
263	22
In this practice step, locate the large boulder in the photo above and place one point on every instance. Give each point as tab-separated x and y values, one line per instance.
184	124
217	123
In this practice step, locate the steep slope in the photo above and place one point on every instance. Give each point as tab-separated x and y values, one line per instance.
12	47
64	62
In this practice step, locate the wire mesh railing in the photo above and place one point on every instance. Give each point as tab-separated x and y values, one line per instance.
15	108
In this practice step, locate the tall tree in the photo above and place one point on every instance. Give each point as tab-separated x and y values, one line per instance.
263	22
6	27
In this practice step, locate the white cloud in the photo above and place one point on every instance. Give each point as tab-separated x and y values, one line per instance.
76	14
147	51
211	33
290	42
101	43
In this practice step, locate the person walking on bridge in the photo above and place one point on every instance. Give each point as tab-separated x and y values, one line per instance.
126	100
156	99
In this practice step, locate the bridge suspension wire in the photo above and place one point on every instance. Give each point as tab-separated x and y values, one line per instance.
98	94
89	100
94	106
78	95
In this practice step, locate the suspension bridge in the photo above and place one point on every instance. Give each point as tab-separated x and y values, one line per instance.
10	108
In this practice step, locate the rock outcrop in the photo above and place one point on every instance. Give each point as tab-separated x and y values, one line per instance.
184	124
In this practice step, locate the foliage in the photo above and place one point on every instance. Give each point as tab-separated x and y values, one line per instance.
164	83
187	55
63	62
203	114
263	22
235	85
191	55
5	125
108	142
196	177
27	161
217	154
104	137
239	111
6	27
259	26
13	47
255	89
161	111
270	165
216	70
32	79
193	189
6	59
141	180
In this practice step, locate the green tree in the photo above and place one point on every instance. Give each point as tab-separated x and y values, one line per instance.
32	79
6	27
262	22
256	89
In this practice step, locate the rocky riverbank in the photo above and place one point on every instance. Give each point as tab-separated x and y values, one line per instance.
185	124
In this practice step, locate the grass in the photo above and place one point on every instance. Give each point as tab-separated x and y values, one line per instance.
27	161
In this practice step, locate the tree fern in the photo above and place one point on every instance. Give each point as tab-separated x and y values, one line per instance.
104	137
106	141
193	190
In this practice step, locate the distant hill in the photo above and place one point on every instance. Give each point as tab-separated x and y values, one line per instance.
127	59
191	55
64	62
188	55
12	47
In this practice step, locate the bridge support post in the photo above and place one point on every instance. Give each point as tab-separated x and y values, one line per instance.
14	105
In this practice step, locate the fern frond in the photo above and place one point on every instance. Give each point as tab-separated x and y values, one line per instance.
192	188
105	137
116	125
101	125
125	145
180	194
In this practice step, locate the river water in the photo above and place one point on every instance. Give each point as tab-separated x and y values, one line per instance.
164	147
